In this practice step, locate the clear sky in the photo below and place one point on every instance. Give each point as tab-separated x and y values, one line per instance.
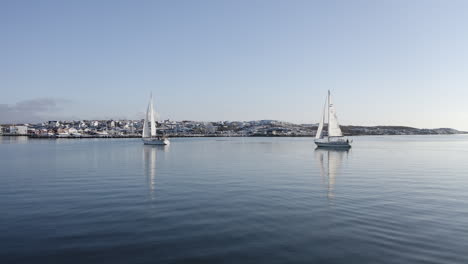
386	62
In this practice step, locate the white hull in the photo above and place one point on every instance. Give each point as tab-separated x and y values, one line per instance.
340	143
156	141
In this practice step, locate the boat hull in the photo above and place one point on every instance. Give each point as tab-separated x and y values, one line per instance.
155	141
333	144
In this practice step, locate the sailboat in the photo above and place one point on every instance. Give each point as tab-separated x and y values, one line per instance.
149	136
335	138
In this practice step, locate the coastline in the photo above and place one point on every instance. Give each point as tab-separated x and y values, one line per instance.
205	136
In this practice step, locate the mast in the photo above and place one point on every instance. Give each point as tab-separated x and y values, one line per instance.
153	124
146	128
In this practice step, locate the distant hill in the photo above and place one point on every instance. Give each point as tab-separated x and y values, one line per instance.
397	130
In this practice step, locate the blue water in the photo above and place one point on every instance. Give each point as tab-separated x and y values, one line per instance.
390	199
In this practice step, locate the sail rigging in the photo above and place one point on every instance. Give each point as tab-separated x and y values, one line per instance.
153	123
333	126
146	129
335	138
322	121
149	135
149	130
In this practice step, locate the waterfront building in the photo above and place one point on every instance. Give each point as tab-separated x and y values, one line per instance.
63	132
73	131
19	130
210	128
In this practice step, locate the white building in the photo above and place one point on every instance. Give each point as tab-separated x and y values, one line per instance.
19	130
82	125
210	128
73	130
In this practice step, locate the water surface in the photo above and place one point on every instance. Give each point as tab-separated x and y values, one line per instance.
390	199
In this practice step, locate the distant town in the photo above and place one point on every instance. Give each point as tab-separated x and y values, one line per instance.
133	128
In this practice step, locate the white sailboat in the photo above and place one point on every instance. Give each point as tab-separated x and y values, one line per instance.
149	136
335	137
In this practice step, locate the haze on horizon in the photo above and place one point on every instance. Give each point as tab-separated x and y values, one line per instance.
386	62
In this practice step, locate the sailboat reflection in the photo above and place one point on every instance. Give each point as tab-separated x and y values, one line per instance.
149	157
329	163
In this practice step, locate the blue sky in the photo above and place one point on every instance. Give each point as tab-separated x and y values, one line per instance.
386	62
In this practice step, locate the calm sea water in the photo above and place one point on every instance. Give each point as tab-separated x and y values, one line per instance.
390	199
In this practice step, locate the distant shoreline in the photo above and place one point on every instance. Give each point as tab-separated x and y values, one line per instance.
186	128
215	136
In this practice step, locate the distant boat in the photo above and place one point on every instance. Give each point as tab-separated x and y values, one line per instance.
149	136
335	138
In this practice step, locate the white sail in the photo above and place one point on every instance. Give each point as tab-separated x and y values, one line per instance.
149	130
153	123
333	126
320	127
146	128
